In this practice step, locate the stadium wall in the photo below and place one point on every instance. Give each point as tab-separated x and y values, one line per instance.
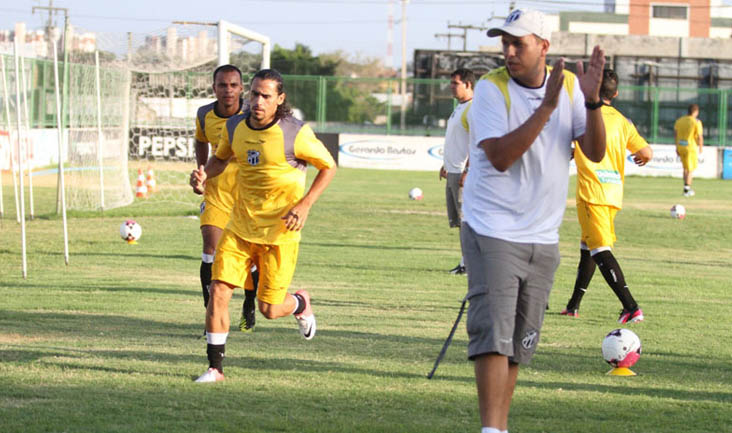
384	152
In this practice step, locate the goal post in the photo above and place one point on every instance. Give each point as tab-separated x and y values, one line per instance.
225	28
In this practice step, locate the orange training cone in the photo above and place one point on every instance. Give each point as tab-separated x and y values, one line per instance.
150	181
141	190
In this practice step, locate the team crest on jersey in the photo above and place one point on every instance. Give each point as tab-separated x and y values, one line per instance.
253	157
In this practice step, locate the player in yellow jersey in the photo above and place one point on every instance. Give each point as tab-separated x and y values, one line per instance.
689	144
218	196
271	150
600	197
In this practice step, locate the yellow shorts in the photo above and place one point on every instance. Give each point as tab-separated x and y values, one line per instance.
276	264
689	157
214	216
597	223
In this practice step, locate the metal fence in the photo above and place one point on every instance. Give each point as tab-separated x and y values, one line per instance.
364	105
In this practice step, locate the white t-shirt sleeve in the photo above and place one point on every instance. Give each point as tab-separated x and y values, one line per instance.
488	114
579	113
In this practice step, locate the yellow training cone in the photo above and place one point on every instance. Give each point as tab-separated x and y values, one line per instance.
621	371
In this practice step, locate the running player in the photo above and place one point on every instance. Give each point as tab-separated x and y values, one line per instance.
600	197
271	150
218	199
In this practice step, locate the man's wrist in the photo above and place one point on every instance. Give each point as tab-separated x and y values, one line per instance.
593	105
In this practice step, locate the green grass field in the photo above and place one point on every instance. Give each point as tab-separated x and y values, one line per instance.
112	342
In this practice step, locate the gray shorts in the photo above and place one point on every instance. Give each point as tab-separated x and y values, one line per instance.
454	199
508	288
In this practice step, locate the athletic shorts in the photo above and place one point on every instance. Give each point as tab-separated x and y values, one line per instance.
597	223
508	289
276	264
689	157
454	199
214	216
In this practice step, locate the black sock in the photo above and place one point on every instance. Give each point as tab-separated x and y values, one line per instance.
585	271
300	304
205	281
614	276
215	353
249	297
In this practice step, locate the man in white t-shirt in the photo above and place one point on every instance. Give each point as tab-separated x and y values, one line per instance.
523	120
455	151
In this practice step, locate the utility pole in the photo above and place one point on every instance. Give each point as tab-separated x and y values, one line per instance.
50	25
52	42
403	114
449	37
465	29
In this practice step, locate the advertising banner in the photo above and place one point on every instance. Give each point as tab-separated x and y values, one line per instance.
391	152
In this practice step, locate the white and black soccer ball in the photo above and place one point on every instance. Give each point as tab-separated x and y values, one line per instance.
621	348
130	230
416	194
678	211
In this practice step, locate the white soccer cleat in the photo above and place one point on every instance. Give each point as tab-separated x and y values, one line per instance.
306	319
211	375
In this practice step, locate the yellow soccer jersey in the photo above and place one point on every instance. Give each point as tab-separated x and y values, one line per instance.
218	191
272	164
601	183
687	129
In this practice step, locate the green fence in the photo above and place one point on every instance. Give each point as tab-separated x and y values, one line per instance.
354	105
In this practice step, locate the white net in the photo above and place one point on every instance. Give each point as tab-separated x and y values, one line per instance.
96	174
171	77
152	84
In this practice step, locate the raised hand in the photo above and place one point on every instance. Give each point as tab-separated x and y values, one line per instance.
554	85
590	80
198	177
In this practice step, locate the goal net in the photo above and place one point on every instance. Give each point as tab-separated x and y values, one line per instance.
142	150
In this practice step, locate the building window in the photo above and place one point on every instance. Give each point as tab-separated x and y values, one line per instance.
670	12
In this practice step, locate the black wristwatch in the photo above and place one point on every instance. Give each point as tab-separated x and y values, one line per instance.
593	105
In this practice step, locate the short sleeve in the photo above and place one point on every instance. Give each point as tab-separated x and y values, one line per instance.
488	114
699	128
312	150
223	150
200	133
635	141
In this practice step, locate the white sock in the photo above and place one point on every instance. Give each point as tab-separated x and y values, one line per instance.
217	338
490	430
462	261
207	258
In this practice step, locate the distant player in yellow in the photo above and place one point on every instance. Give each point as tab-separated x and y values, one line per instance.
271	150
689	144
600	197
218	196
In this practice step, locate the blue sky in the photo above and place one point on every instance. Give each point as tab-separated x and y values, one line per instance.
355	26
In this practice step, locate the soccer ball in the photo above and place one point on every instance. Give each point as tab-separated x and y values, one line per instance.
415	194
621	348
130	231
678	211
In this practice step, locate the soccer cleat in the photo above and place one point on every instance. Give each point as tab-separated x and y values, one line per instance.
631	316
570	313
306	319
457	270
211	375
246	324
689	193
